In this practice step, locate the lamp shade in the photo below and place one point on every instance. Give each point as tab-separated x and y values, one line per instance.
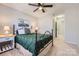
36	28
6	28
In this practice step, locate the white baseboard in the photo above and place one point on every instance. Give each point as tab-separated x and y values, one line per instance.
71	42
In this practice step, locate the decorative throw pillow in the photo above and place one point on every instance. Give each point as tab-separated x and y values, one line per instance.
27	31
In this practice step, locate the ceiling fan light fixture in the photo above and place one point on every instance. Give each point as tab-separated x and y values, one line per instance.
40	8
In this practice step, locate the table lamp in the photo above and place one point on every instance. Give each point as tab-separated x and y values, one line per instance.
6	29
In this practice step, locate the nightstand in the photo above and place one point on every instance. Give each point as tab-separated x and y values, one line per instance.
6	42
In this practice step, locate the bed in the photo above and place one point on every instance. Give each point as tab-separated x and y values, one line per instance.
35	43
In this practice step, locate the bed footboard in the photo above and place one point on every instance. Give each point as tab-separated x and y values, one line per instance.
42	44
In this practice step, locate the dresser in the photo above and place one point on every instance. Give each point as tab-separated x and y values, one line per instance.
6	42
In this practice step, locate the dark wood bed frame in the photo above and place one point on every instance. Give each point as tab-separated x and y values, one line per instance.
36	31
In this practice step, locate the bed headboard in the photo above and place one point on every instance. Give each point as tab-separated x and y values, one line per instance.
24	28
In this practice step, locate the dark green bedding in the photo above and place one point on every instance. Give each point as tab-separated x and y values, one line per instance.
28	41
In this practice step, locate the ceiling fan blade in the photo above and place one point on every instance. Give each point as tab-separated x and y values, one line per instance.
36	9
43	10
33	4
47	5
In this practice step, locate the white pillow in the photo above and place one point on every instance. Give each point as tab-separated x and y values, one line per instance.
21	31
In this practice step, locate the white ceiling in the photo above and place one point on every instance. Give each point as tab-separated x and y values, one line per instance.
25	8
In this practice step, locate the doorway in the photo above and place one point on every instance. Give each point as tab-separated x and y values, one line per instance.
59	26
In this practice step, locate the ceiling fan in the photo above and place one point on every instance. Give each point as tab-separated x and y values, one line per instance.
40	6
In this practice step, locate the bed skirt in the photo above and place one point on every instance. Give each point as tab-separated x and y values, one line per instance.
25	52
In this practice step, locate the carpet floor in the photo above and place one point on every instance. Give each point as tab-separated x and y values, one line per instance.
60	48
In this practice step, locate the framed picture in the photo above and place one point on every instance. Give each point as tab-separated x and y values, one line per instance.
22	23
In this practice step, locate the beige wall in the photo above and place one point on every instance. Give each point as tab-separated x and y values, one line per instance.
45	23
72	25
9	16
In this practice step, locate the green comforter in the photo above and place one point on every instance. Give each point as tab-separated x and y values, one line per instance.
28	41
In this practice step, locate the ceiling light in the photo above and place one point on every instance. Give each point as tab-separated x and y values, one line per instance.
40	8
